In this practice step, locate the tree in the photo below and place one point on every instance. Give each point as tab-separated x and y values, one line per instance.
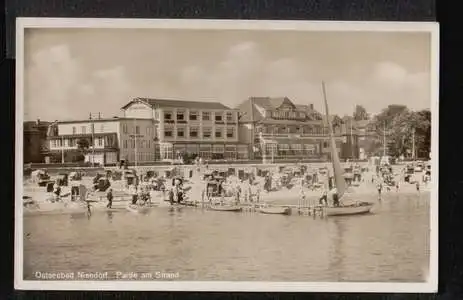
360	113
83	145
401	127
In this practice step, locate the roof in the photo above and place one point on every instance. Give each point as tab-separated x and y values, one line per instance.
101	120
155	103
252	107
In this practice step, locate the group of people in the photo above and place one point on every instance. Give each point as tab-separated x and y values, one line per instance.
140	194
241	190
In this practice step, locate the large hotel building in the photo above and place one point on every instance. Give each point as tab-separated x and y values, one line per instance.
151	130
278	129
209	129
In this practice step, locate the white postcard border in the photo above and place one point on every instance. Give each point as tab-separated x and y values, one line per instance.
341	26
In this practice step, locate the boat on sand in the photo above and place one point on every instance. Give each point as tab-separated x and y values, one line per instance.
231	208
275	210
354	209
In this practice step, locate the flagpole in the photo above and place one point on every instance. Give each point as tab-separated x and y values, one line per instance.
413	143
352	137
135	137
384	139
92	124
62	150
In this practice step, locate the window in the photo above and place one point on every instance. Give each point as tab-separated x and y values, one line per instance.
180	132
137	129
74	130
133	143
218	116
230	132
193	115
124	128
218	133
167	115
100	142
229	116
168	133
180	115
83	129
207	132
206	116
193	132
125	143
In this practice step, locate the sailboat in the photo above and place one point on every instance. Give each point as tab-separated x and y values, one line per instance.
340	183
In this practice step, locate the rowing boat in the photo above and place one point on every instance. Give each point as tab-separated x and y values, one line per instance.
275	210
226	208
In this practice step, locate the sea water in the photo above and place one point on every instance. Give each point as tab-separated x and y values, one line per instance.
390	244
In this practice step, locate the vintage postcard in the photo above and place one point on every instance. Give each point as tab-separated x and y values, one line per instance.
226	155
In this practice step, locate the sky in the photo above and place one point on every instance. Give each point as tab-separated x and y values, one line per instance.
70	73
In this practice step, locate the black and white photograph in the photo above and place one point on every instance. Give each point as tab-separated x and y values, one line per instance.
226	155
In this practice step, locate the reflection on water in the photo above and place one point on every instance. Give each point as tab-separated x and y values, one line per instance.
392	244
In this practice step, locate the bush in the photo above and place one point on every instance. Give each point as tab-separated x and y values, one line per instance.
189	158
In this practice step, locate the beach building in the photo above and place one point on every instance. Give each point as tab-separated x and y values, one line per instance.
35	141
276	128
209	129
102	140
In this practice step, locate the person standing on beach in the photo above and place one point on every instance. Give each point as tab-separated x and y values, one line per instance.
133	192
109	196
324	198
380	188
335	197
417	186
57	190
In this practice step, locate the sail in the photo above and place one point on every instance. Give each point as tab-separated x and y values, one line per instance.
338	170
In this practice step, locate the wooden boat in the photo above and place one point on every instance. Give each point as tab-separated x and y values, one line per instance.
56	208
137	208
226	208
275	210
339	176
349	210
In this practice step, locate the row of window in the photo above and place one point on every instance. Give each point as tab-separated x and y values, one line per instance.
194	132
141	156
72	142
141	144
149	130
286	115
294	129
194	116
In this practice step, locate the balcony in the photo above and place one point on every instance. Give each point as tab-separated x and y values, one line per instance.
295	135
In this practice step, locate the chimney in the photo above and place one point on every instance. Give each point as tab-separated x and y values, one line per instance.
99	115
38	121
90	116
311	106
